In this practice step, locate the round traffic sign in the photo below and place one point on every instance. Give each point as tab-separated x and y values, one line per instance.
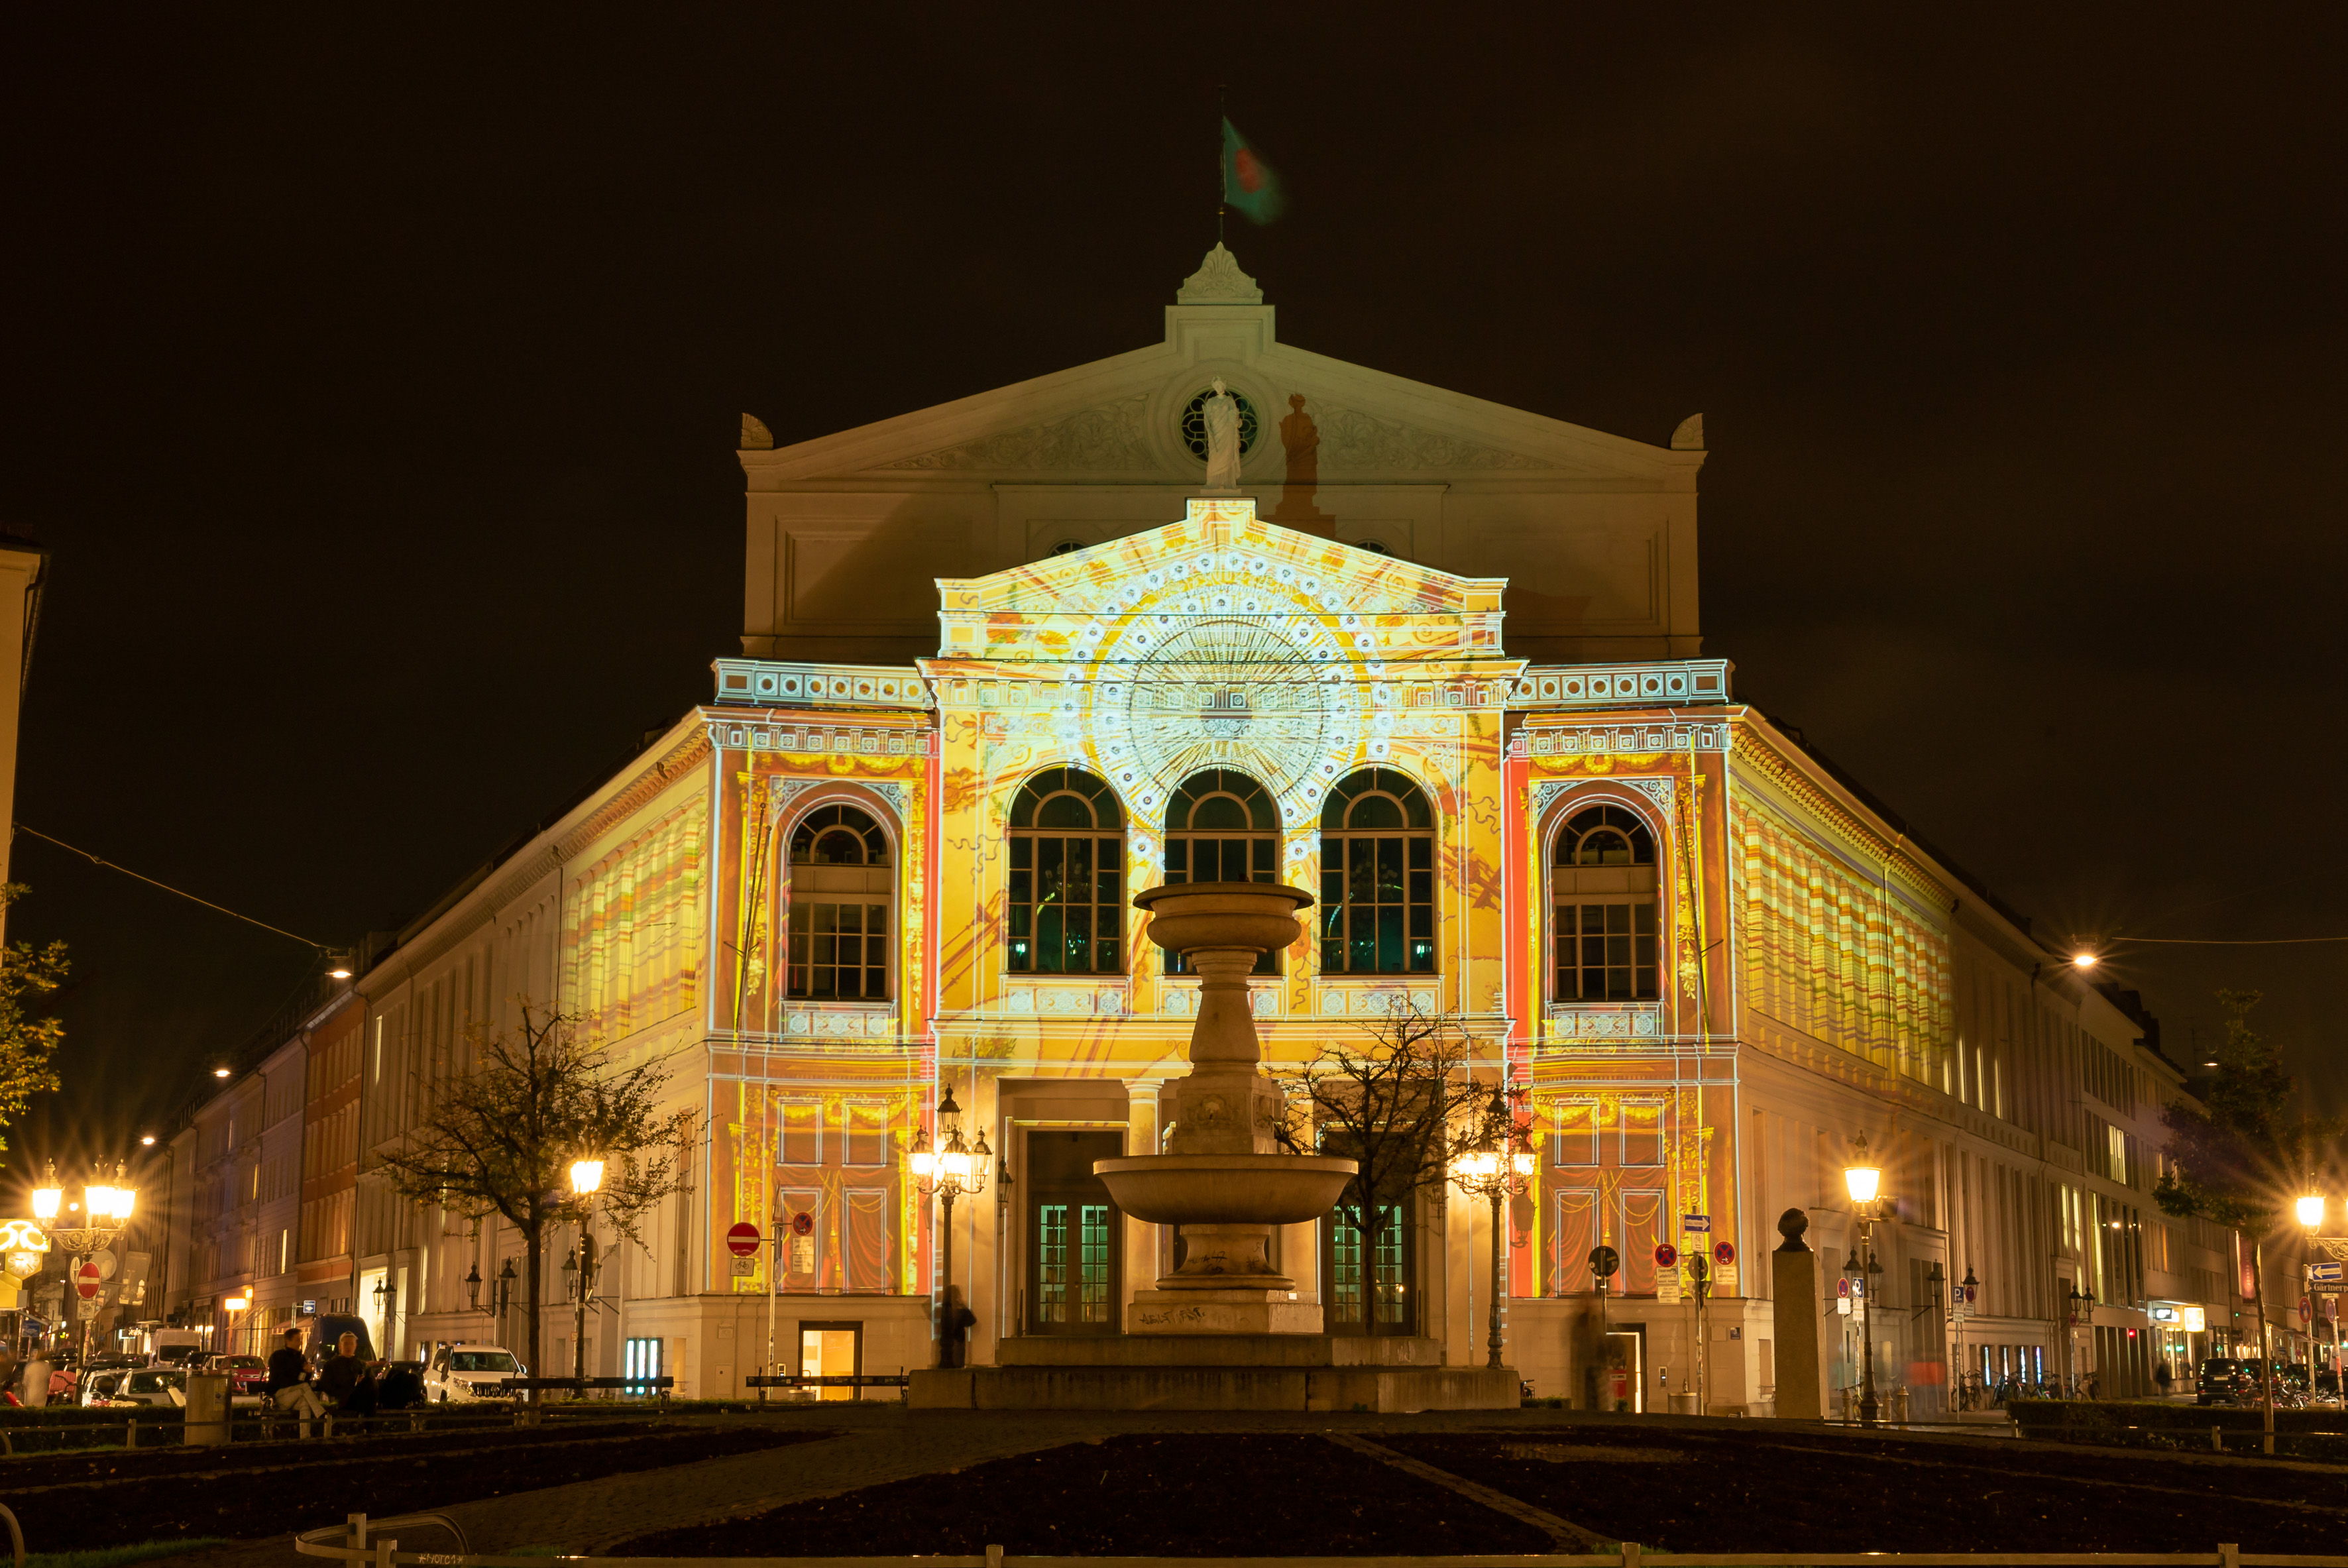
1723	1252
803	1223
108	1264
1604	1261
87	1280
743	1240
1667	1256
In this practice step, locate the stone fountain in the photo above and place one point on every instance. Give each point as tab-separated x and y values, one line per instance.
1225	1330
1219	1180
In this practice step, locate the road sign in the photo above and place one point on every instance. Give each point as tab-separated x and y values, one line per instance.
742	1241
1724	1252
1667	1256
86	1310
1605	1262
1667	1288
1842	1286
803	1223
87	1280
1698	1223
106	1261
2326	1273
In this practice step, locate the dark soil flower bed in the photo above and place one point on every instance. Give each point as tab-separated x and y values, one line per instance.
1758	1492
70	1502
1186	1495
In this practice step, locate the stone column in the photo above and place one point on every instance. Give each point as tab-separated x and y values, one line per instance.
1794	1280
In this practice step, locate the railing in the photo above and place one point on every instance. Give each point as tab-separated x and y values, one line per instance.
384	1552
660	1385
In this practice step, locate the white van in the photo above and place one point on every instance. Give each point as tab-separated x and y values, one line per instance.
458	1373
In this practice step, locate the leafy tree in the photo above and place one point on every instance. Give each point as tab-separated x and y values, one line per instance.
28	1045
498	1139
1389	1106
2236	1158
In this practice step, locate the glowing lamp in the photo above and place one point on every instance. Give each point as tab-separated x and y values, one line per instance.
1474	1165
146	1140
48	1197
220	1072
1862	1179
2084	960
238	1303
2310	1210
1524	1162
586	1177
925	1160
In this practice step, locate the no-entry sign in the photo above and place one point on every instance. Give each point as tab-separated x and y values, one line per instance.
742	1241
86	1281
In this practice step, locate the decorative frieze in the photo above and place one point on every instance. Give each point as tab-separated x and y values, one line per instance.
820	739
1612	686
1616	740
784	684
1615	1022
1371	1001
1062	1000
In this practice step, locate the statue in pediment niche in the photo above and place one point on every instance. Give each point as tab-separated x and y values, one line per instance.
1301	439
1222	414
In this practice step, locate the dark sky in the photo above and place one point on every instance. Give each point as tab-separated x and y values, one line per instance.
377	391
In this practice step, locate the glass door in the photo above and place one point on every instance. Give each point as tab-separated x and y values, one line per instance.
1076	1237
1344	1283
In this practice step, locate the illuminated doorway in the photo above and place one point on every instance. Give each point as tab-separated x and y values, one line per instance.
832	1350
1076	1237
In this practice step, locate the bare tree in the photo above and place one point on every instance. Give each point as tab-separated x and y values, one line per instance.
499	1138
1389	1105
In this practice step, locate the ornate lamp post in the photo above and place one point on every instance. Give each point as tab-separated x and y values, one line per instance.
473	1288
2309	1210
1490	1161
586	1181
950	1171
2081	1308
1863	1179
106	1214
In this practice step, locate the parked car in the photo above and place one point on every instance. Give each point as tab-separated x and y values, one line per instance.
245	1374
2224	1380
460	1373
139	1385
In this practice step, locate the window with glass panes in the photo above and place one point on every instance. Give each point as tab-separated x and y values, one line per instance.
1066	906
1344	1281
1377	877
1221	826
841	890
1603	909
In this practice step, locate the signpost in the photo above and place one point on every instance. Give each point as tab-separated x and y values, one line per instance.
2326	1273
742	1241
1696	1224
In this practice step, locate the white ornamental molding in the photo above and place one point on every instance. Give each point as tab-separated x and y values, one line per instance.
1638	740
1616	1022
1371	1001
820	740
1063	1001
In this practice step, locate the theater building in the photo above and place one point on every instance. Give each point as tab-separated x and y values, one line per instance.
1438	662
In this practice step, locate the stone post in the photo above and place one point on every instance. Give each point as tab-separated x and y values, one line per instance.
1794	1282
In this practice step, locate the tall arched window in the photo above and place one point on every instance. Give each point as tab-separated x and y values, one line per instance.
1377	877
841	887
1221	826
1067	876
1602	890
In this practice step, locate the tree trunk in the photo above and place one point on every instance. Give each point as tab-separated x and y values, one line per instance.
534	1239
1369	1229
2266	1346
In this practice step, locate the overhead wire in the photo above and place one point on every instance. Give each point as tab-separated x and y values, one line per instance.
167	887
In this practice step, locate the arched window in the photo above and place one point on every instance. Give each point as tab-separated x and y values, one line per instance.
1221	826
1602	890
1067	876
1377	877
841	887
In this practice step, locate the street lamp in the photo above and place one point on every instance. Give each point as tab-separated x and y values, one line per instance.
2309	1210
2082	1307
1863	1179
1490	1161
473	1288
106	1208
586	1181
949	1171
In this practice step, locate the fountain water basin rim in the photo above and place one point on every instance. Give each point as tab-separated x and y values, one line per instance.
1226	1188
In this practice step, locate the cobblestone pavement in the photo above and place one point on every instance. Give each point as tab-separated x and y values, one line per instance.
876	1443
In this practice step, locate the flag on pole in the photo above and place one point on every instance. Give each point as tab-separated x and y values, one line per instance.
1248	184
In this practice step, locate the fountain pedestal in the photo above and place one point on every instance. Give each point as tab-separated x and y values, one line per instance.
1225	1330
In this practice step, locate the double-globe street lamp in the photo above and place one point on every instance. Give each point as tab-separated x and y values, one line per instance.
2309	1210
1863	1179
106	1208
945	1171
1491	1161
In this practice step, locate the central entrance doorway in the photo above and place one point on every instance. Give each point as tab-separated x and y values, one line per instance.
1076	1237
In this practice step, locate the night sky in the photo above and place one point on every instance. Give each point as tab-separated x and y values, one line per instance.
377	391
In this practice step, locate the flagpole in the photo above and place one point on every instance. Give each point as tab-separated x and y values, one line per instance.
1222	118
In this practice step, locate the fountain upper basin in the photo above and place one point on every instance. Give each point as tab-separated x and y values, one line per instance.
1225	1189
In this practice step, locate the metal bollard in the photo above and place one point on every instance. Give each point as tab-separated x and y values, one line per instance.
131	1432
2217	1438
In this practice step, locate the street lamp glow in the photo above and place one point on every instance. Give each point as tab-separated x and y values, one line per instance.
586	1177
2311	1211
1863	1179
48	1197
2084	960
238	1303
146	1140
220	1072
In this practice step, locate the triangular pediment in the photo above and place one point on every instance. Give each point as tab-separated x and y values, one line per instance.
1220	561
1120	420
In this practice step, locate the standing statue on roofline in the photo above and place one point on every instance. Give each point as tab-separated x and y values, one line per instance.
1222	415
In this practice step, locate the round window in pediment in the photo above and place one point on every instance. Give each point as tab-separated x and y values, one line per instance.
1194	423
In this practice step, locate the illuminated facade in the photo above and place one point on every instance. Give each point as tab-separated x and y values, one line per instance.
1436	662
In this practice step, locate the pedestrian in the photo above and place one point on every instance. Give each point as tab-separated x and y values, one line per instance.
346	1379
2164	1377
953	1325
289	1382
